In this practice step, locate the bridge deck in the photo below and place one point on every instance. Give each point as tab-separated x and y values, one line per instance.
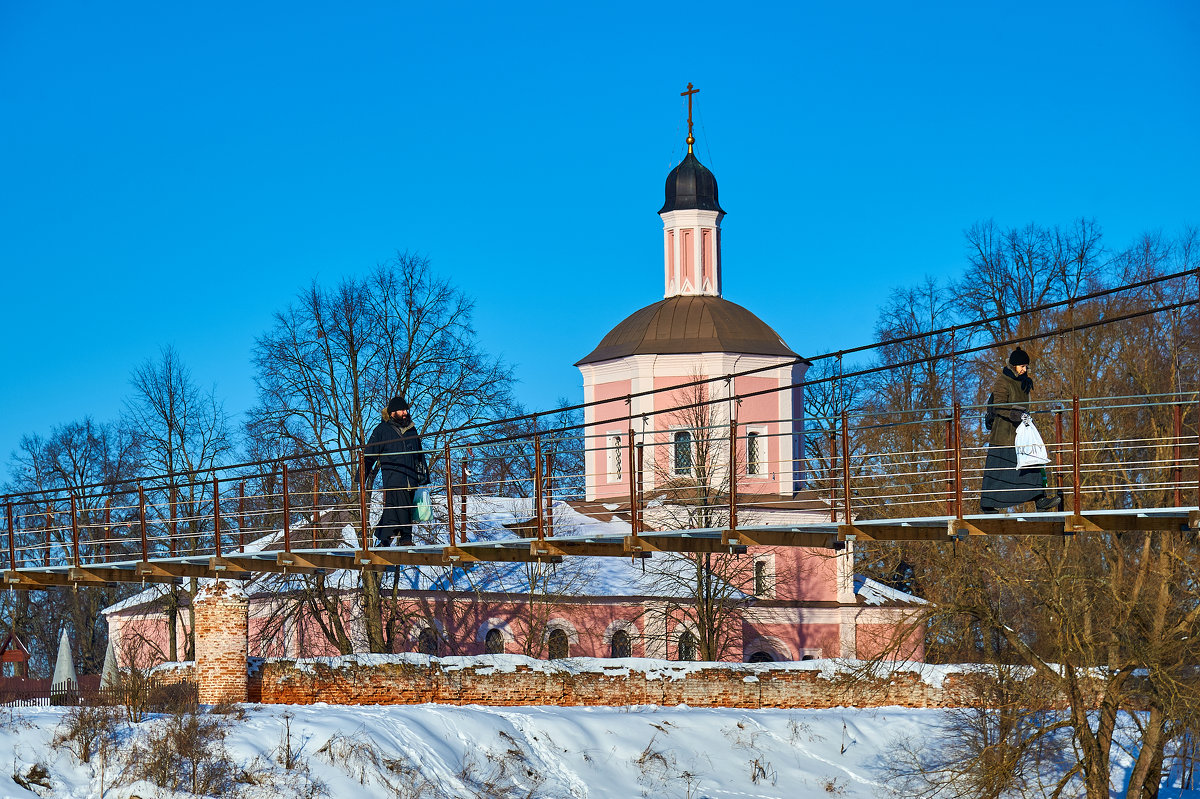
829	535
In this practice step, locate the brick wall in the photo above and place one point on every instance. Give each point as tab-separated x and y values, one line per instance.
351	681
221	616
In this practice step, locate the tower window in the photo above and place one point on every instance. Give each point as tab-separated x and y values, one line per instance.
760	578
615	466
683	453
754	463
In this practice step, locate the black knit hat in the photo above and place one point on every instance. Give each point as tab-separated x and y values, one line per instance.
398	403
1019	357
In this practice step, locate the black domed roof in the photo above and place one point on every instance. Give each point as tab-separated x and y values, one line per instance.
691	185
689	324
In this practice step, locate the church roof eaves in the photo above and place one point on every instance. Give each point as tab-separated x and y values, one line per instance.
689	324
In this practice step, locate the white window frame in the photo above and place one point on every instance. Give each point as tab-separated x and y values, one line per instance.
768	561
760	434
615	453
691	470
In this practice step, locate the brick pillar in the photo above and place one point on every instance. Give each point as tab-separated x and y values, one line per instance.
222	613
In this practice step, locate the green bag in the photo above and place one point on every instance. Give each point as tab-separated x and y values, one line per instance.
424	508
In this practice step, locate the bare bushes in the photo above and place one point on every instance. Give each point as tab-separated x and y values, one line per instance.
184	752
365	761
1004	741
86	731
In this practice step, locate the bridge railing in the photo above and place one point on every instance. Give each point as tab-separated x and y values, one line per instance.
1112	452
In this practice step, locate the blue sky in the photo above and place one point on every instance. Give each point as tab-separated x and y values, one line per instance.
174	175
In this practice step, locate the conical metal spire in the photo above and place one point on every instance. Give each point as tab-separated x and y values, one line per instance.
109	676
64	666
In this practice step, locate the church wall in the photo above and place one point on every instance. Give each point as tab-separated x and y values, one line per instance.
601	482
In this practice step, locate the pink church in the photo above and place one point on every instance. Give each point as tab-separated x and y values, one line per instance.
788	603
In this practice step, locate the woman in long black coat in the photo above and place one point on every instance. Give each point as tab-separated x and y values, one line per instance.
1004	485
395	449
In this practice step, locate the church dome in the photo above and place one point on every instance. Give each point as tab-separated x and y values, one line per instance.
690	324
691	186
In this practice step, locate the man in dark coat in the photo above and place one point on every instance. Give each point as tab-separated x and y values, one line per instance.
1004	485
395	449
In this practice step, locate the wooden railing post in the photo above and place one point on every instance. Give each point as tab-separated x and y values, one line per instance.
640	493
949	464
733	486
449	496
217	516
142	520
365	537
107	529
287	513
315	514
537	487
846	467
74	534
241	516
958	461
173	527
1178	455
12	541
1077	500
1058	441
833	470
462	501
548	495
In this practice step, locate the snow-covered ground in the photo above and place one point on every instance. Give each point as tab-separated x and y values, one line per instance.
439	751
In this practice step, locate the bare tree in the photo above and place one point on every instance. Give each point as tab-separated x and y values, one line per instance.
334	358
704	593
185	435
74	455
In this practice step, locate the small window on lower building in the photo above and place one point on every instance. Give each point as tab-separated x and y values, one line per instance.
686	648
621	646
809	657
557	644
760	578
760	657
493	643
427	642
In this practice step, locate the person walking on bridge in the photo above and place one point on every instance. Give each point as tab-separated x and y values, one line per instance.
395	449
1004	485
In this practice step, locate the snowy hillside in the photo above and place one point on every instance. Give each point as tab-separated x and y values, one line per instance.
448	752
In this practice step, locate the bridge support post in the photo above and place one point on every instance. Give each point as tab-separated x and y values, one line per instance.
222	618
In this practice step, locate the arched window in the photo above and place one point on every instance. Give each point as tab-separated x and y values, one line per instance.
427	642
557	644
493	643
760	578
753	456
621	646
686	650
761	657
683	453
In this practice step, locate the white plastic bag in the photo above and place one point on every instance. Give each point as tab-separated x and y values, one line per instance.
424	509
1031	451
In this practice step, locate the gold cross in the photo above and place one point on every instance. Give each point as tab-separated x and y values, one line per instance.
688	94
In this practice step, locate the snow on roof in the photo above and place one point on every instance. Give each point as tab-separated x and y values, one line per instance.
873	592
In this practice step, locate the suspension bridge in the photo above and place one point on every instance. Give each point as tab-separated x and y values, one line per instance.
861	485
